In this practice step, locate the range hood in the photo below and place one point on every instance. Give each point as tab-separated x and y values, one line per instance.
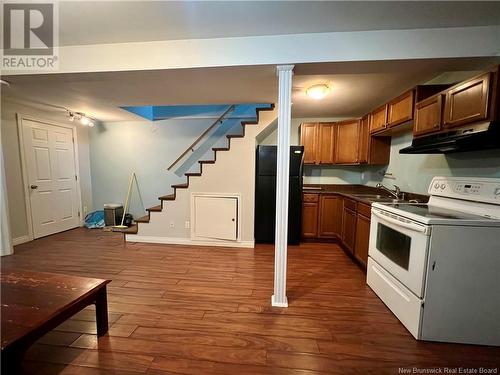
475	137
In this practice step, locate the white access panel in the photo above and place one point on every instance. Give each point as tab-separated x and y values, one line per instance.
215	217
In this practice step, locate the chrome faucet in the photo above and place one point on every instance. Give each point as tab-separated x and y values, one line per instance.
396	193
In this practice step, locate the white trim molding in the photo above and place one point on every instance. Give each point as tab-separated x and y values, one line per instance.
20	117
19	240
187	241
285	74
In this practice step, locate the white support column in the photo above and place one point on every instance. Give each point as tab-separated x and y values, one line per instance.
285	73
5	236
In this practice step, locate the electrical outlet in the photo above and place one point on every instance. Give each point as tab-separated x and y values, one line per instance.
172	224
186	224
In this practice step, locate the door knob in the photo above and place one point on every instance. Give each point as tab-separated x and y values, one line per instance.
34	187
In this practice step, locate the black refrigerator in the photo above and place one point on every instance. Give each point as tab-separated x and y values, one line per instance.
265	194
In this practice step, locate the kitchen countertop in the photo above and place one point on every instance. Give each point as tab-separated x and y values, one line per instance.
354	192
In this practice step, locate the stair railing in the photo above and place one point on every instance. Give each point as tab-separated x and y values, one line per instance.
219	120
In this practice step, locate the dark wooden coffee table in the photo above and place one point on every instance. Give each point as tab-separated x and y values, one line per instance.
33	303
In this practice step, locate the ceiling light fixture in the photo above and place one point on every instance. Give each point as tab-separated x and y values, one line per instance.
79	116
318	92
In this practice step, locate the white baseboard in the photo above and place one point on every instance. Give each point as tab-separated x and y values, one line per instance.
20	240
186	241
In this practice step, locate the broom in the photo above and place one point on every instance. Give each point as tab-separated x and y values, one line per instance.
127	200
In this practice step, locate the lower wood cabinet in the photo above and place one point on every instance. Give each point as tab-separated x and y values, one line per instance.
349	229
362	238
310	206
330	216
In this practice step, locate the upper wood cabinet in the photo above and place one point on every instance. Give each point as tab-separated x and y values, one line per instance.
467	102
364	139
378	119
400	110
326	143
309	139
428	115
347	142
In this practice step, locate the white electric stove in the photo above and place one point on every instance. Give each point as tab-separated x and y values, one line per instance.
437	265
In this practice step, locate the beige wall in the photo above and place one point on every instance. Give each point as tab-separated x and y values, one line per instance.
233	173
12	160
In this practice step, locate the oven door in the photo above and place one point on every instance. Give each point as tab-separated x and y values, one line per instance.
400	245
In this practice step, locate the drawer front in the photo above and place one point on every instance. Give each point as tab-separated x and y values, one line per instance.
403	303
364	209
310	198
350	204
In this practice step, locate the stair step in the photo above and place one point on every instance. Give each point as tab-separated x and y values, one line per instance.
169	197
192	174
143	219
235	136
252	122
207	162
129	230
220	148
181	186
154	208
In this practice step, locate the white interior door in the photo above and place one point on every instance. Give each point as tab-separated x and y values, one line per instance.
216	217
50	166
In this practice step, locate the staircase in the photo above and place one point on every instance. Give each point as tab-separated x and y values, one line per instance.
141	223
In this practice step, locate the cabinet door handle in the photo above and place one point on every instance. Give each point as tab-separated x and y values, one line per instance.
34	187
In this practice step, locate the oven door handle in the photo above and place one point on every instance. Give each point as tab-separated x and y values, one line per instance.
408	225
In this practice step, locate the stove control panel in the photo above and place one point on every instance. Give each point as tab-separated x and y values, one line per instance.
485	190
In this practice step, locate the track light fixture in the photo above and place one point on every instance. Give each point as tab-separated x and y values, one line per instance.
79	116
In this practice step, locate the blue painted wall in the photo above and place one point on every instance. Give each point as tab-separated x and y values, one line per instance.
414	172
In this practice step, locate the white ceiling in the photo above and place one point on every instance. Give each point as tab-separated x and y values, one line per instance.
357	87
96	22
101	94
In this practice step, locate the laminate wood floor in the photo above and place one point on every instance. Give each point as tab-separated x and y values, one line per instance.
205	310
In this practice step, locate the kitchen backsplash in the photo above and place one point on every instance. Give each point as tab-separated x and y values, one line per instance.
414	172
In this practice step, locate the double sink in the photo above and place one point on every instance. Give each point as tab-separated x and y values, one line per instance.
385	198
374	197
